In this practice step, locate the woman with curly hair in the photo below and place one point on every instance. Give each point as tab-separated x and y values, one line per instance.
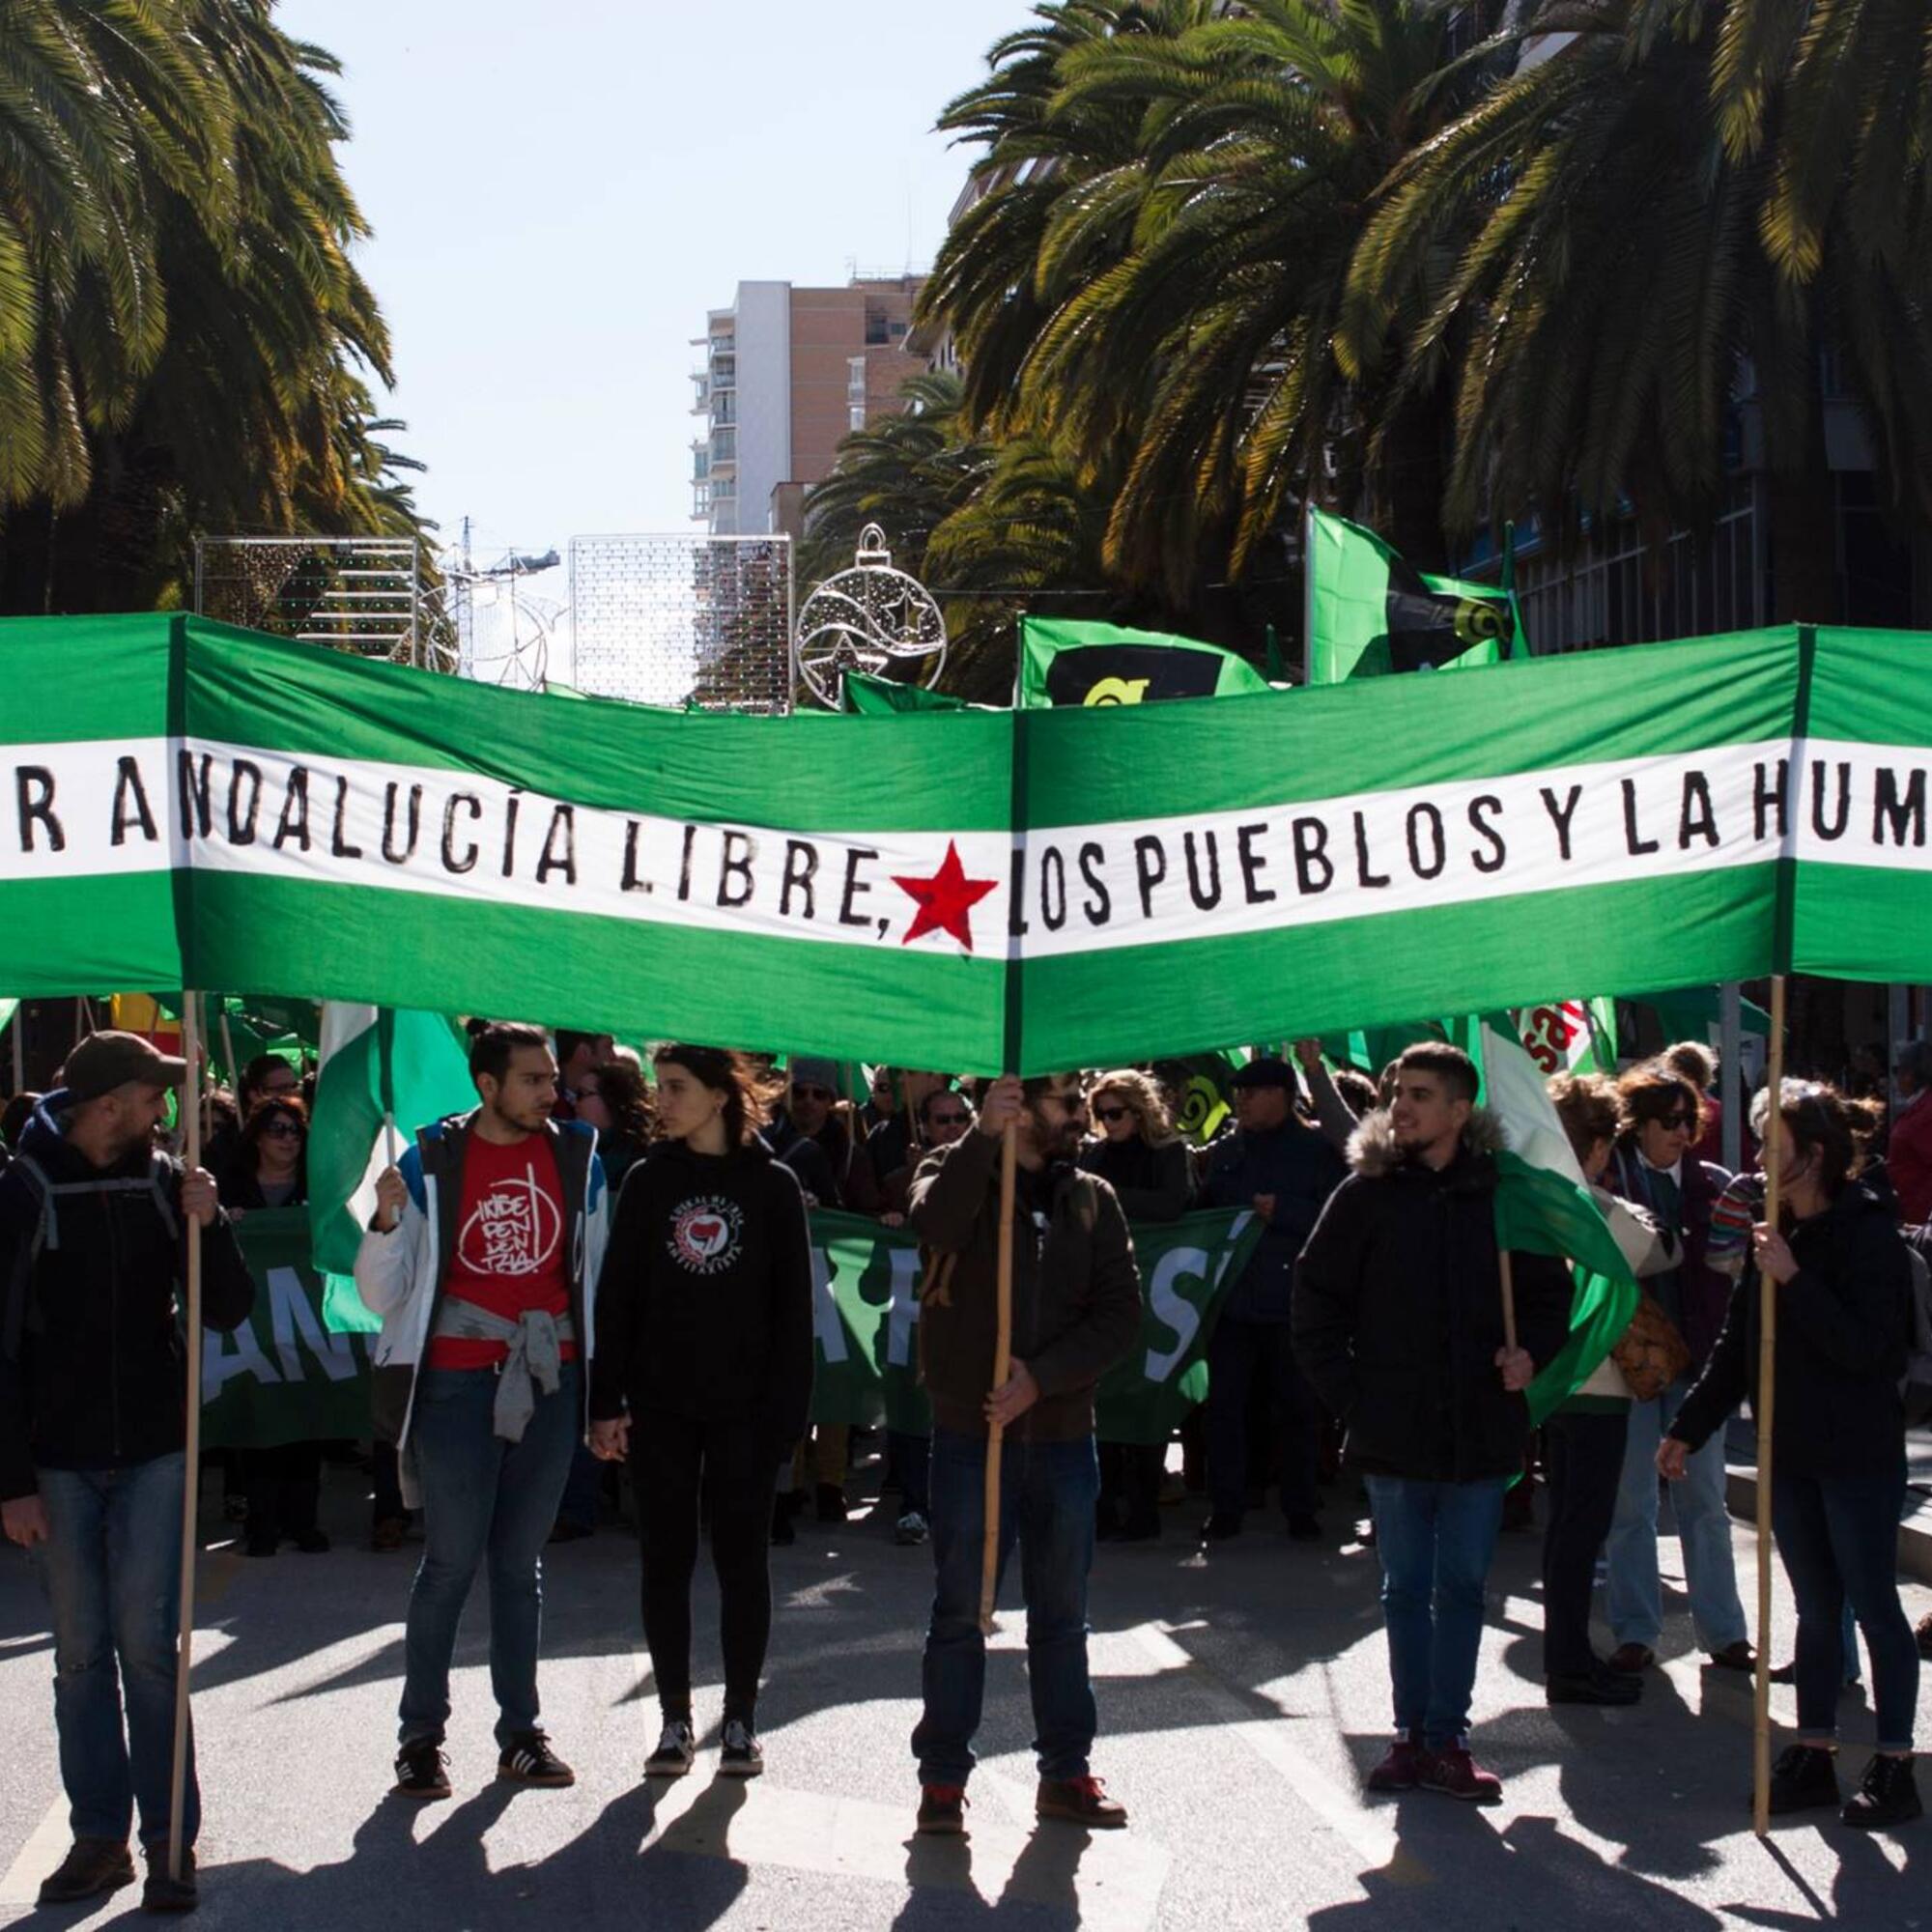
1844	1334
1139	1154
613	1098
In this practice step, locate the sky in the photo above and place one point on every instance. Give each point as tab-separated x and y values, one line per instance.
559	193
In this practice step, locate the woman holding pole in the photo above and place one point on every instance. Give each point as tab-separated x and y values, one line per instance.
1843	1288
703	1376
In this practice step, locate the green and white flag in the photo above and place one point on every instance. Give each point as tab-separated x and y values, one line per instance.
1067	661
376	1065
285	1375
1544	1206
192	805
1569	1036
1369	611
867	1318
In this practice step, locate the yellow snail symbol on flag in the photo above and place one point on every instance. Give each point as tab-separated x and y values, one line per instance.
1118	691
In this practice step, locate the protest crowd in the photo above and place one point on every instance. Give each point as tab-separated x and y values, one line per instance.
595	1290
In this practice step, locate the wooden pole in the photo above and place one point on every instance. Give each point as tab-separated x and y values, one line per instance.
1763	1408
1002	1355
1509	1299
191	1480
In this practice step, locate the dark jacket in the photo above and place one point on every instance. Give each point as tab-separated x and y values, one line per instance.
1399	1315
1844	1333
1076	1290
93	1373
704	1308
1300	1168
1152	1184
241	1188
1703	1293
810	1164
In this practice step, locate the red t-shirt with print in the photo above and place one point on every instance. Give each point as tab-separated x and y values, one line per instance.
509	1244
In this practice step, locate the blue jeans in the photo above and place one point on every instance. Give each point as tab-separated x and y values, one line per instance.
1434	1541
111	1568
1047	1494
482	1495
1636	1593
1838	1536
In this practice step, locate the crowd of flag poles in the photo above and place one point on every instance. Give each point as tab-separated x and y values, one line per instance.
1369	613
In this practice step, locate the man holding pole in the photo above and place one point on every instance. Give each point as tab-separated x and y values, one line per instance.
93	1469
1421	1335
1075	1310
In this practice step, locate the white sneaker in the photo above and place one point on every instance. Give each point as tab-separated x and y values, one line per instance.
910	1529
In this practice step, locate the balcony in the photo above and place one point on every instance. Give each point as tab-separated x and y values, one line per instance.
723	372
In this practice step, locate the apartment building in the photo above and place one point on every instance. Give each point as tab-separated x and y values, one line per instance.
788	372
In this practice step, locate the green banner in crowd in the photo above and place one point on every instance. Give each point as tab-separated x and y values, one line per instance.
1065	660
868	1279
282	1376
195	804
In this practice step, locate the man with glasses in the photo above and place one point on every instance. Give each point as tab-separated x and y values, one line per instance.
1076	1310
1284	1172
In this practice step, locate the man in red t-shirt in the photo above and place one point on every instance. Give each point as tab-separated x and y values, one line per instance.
482	1260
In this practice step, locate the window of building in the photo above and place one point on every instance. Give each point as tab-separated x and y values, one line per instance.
724	445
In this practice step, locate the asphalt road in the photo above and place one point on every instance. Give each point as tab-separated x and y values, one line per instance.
1241	1697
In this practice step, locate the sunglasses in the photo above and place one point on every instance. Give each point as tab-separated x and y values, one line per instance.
947	1120
814	1094
281	1130
1685	1121
1110	1113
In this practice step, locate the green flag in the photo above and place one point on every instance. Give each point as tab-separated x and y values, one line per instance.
1063	661
1544	1206
376	1064
284	1375
1369	611
1569	1036
885	697
866	1279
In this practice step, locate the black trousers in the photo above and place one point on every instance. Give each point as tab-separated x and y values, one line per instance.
1585	1461
284	1489
1131	1474
734	1465
1241	1354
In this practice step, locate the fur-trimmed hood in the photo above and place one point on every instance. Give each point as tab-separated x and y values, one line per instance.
1372	1151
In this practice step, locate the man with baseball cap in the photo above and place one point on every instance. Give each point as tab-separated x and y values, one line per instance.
92	1422
1284	1173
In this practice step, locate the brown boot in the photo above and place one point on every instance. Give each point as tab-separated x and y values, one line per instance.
91	1865
1079	1801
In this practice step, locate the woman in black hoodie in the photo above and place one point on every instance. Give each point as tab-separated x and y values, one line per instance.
702	1374
1844	1328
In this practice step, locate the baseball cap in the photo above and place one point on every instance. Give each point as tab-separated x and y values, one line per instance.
108	1060
812	1072
1266	1072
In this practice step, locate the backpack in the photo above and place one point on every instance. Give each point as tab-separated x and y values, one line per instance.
157	1183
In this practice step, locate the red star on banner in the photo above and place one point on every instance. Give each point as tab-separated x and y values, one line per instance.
945	900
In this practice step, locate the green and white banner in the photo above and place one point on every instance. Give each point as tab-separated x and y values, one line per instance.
1033	890
869	1281
284	1375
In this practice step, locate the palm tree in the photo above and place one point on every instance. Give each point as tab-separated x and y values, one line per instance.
1613	301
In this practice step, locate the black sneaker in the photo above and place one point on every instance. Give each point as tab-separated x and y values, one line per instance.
1888	1794
830	1503
743	1756
1592	1687
942	1810
1221	1525
422	1770
162	1892
676	1751
1803	1779
527	1759
782	1533
91	1865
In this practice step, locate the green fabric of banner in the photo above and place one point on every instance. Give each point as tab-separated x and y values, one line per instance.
867	1318
1065	660
872	697
282	1376
1088	884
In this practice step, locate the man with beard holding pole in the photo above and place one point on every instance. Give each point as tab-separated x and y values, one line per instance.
1031	1294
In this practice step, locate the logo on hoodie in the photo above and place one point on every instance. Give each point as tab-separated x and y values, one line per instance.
706	1234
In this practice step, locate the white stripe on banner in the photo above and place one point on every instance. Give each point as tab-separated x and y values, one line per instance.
108	807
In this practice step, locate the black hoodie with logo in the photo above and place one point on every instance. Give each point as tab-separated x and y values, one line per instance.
92	1367
704	1307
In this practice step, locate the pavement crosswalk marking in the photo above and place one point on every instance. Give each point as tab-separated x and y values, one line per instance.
39	1856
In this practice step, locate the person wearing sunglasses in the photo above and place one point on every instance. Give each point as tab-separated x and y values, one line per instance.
1661	1117
282	1483
1139	1154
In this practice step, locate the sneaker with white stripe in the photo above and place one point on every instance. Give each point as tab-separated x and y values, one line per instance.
742	1756
527	1759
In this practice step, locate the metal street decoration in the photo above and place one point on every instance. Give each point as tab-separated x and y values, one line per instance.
871	619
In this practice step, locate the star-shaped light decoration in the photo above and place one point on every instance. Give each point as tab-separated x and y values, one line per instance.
945	900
